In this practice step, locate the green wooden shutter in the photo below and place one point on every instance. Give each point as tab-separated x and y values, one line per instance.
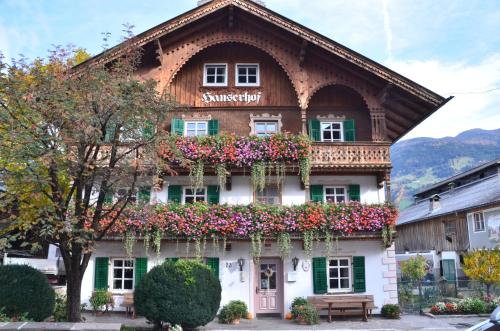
101	273
213	127
108	197
349	130
177	126
213	194
174	193
171	259
141	268
314	130
358	271
354	192
148	130
213	264
144	195
110	132
319	275
316	193
449	272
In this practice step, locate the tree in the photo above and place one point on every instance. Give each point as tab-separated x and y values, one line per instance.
414	270
70	137
484	266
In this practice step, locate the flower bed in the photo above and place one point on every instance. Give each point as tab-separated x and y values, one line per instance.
466	306
225	150
201	221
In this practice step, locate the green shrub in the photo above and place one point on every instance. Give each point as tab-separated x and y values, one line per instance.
306	313
390	311
472	306
296	303
185	292
25	291
60	308
234	310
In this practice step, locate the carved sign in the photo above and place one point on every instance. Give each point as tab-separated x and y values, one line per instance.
246	97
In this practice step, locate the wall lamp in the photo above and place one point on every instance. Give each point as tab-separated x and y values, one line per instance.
295	262
241	263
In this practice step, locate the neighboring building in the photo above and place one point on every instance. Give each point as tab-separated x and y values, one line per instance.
452	217
238	67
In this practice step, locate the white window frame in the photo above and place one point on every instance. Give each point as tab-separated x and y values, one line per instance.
205	67
331	122
266	134
184	195
257	78
349	265
112	278
196	130
482	221
335	187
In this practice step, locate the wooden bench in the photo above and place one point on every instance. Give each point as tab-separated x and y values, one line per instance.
344	305
128	303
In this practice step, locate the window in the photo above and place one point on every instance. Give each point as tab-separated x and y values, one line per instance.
123	274
191	195
122	195
339	274
332	131
247	74
265	128
478	222
270	195
450	228
215	74
335	194
196	128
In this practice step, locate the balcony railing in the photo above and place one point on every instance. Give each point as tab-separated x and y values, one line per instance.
351	155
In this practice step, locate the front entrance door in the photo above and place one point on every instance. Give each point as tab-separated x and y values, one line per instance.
269	289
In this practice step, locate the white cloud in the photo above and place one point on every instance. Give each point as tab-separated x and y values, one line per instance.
387	28
472	107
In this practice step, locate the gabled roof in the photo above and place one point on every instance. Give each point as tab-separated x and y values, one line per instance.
392	78
475	194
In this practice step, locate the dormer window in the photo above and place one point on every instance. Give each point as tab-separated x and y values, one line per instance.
247	74
215	74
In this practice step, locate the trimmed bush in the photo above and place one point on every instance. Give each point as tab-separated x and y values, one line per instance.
184	292
390	311
25	291
472	306
233	311
296	303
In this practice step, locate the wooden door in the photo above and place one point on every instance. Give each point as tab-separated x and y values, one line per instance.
268	287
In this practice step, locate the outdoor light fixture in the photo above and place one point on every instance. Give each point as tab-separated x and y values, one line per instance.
241	263
295	262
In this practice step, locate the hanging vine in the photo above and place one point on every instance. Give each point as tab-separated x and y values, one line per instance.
259	176
304	169
280	173
221	172
256	240
196	174
147	239
197	248
157	236
328	244
387	235
284	244
129	241
308	240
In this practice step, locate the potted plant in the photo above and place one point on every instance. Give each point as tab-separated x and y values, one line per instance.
390	311
233	312
307	314
101	299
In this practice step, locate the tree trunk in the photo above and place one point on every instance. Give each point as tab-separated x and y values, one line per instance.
488	288
74	289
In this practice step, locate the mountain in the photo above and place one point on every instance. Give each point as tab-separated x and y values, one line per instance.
420	162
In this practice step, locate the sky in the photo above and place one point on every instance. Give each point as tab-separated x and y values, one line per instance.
449	46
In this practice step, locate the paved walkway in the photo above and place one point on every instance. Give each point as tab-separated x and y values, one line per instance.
32	326
407	322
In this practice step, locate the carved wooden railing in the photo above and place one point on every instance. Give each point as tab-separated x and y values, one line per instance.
351	155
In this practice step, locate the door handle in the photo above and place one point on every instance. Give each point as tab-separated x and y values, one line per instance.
256	290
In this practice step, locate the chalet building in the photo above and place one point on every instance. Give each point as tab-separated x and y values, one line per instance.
236	67
452	217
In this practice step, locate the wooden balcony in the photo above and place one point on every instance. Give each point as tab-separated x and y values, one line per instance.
351	155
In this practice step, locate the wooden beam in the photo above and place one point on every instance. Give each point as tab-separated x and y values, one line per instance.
230	17
159	51
397	126
302	52
402	110
383	96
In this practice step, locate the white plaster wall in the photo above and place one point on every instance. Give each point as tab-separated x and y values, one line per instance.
378	266
370	193
242	193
